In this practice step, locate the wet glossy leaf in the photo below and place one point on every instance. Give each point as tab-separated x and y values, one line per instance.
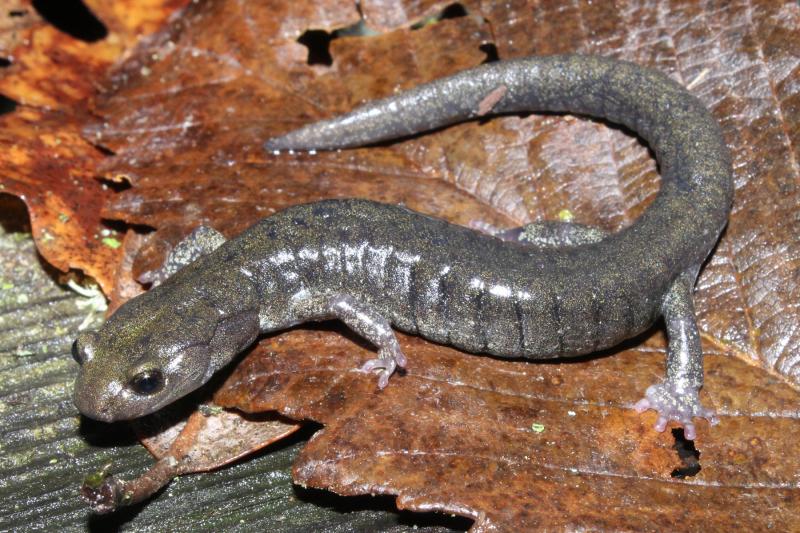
512	444
521	447
45	161
190	163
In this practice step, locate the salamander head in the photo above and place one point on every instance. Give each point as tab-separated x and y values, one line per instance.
155	349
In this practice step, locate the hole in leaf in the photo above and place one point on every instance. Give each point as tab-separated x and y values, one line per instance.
318	43
453	11
14	216
7	105
72	17
688	455
116	186
491	52
5	62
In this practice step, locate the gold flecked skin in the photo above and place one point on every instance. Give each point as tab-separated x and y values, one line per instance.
392	266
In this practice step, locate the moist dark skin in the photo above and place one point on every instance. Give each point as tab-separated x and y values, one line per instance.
542	291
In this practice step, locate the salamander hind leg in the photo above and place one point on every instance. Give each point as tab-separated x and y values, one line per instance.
201	241
678	396
365	320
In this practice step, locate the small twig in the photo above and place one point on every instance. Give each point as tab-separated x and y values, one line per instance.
105	493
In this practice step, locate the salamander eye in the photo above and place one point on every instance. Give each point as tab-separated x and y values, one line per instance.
147	382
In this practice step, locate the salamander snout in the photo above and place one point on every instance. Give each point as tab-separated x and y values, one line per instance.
90	407
112	388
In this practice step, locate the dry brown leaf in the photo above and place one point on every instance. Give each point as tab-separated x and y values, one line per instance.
210	437
45	159
190	164
522	447
186	115
204	440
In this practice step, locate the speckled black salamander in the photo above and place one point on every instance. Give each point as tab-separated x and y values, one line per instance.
561	289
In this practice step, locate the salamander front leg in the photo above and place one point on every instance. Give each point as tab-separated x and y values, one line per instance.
365	320
678	396
203	240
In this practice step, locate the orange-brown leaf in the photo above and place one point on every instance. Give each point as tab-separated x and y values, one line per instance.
46	162
209	438
524	447
45	159
512	444
459	433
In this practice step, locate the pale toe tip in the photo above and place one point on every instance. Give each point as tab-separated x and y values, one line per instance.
675	404
385	366
371	365
642	405
400	359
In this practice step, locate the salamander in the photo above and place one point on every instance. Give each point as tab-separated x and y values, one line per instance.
545	290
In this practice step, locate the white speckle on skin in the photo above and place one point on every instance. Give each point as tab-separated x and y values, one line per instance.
282	257
114	387
306	253
174	363
476	283
500	290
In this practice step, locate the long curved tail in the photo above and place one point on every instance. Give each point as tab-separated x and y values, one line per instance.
682	224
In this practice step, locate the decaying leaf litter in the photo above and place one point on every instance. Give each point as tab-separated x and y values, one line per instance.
189	163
